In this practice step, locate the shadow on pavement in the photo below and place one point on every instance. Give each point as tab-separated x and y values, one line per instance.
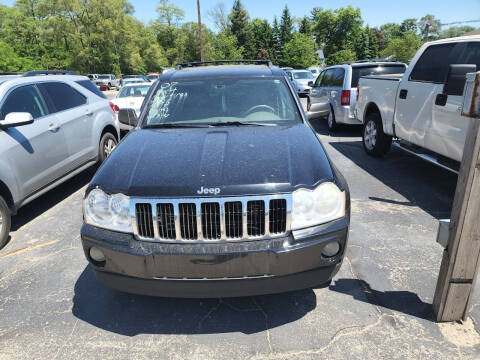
423	184
129	314
37	207
343	131
405	302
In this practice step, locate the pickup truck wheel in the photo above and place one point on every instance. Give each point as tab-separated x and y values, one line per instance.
375	142
5	222
107	145
331	122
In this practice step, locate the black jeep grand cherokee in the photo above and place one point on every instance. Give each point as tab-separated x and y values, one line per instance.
221	190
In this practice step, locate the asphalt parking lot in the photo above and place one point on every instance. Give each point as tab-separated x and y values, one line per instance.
378	306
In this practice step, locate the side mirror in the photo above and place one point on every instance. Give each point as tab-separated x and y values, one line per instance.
457	77
310	83
128	117
15	119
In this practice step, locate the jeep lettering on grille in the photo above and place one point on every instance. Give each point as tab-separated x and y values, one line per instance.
208	191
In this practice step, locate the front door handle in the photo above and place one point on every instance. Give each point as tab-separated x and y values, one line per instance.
403	94
53	127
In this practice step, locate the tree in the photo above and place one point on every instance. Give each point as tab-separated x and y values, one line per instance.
409	25
299	52
239	22
403	48
169	13
456	31
433	25
286	26
305	26
367	46
261	37
218	16
225	47
277	42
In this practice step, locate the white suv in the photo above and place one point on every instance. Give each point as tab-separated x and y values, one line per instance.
51	128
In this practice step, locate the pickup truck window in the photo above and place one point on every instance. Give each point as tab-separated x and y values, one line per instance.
471	55
433	64
358	72
212	101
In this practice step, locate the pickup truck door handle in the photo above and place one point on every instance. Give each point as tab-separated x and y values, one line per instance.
403	94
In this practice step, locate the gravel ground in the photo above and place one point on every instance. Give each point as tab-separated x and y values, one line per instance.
378	306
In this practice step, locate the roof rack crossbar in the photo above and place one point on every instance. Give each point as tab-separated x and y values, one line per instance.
363	61
49	72
213	62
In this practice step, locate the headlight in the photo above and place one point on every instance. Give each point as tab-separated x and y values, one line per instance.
324	204
108	211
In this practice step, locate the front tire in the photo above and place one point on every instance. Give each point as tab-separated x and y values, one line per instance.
5	222
375	142
107	145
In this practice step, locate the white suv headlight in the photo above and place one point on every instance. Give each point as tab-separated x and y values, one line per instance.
315	207
108	211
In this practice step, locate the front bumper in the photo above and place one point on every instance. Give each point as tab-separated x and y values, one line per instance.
227	269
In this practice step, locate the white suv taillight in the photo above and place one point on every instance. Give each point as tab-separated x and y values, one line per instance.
114	107
345	99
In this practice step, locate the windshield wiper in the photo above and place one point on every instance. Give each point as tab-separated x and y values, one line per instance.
173	126
240	123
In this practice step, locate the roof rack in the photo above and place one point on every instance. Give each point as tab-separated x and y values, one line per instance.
49	72
215	62
363	61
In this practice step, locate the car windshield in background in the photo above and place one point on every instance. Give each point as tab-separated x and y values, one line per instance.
358	72
103	77
303	75
133	91
226	100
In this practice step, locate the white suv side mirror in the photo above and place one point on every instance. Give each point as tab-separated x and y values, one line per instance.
16	119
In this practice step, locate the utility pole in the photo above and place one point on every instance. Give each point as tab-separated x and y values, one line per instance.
202	58
461	258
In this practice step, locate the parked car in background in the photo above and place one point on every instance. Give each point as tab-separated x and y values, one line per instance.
51	128
337	86
421	109
303	80
152	76
93	77
315	70
130	96
108	80
138	78
222	190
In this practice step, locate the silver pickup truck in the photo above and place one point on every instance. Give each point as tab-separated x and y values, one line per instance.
422	109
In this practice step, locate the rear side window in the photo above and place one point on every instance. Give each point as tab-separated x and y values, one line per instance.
63	96
358	72
91	86
471	55
328	77
25	99
433	64
338	78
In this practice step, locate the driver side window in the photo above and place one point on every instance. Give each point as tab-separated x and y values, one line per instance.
319	79
25	99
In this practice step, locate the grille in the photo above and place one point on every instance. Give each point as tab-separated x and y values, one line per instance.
211	221
233	220
256	218
145	220
188	221
227	218
166	221
278	216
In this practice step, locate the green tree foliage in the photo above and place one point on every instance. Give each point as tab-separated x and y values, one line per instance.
455	31
300	51
239	19
434	27
305	26
277	54
261	34
225	48
403	48
286	26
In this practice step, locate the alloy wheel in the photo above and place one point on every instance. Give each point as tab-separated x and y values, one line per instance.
1	222
370	135
330	120
109	147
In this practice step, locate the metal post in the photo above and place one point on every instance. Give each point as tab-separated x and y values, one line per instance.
461	257
202	58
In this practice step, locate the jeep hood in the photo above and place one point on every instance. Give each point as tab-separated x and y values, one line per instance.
244	160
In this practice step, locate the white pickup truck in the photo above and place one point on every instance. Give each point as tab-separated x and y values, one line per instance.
421	110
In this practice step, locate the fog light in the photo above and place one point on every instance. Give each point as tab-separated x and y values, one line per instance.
331	249
97	255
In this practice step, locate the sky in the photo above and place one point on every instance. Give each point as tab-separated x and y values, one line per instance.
374	12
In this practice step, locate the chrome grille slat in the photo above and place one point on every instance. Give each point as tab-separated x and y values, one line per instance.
211	219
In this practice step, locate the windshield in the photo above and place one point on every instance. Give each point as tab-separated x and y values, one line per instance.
358	72
224	100
303	75
104	77
133	91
